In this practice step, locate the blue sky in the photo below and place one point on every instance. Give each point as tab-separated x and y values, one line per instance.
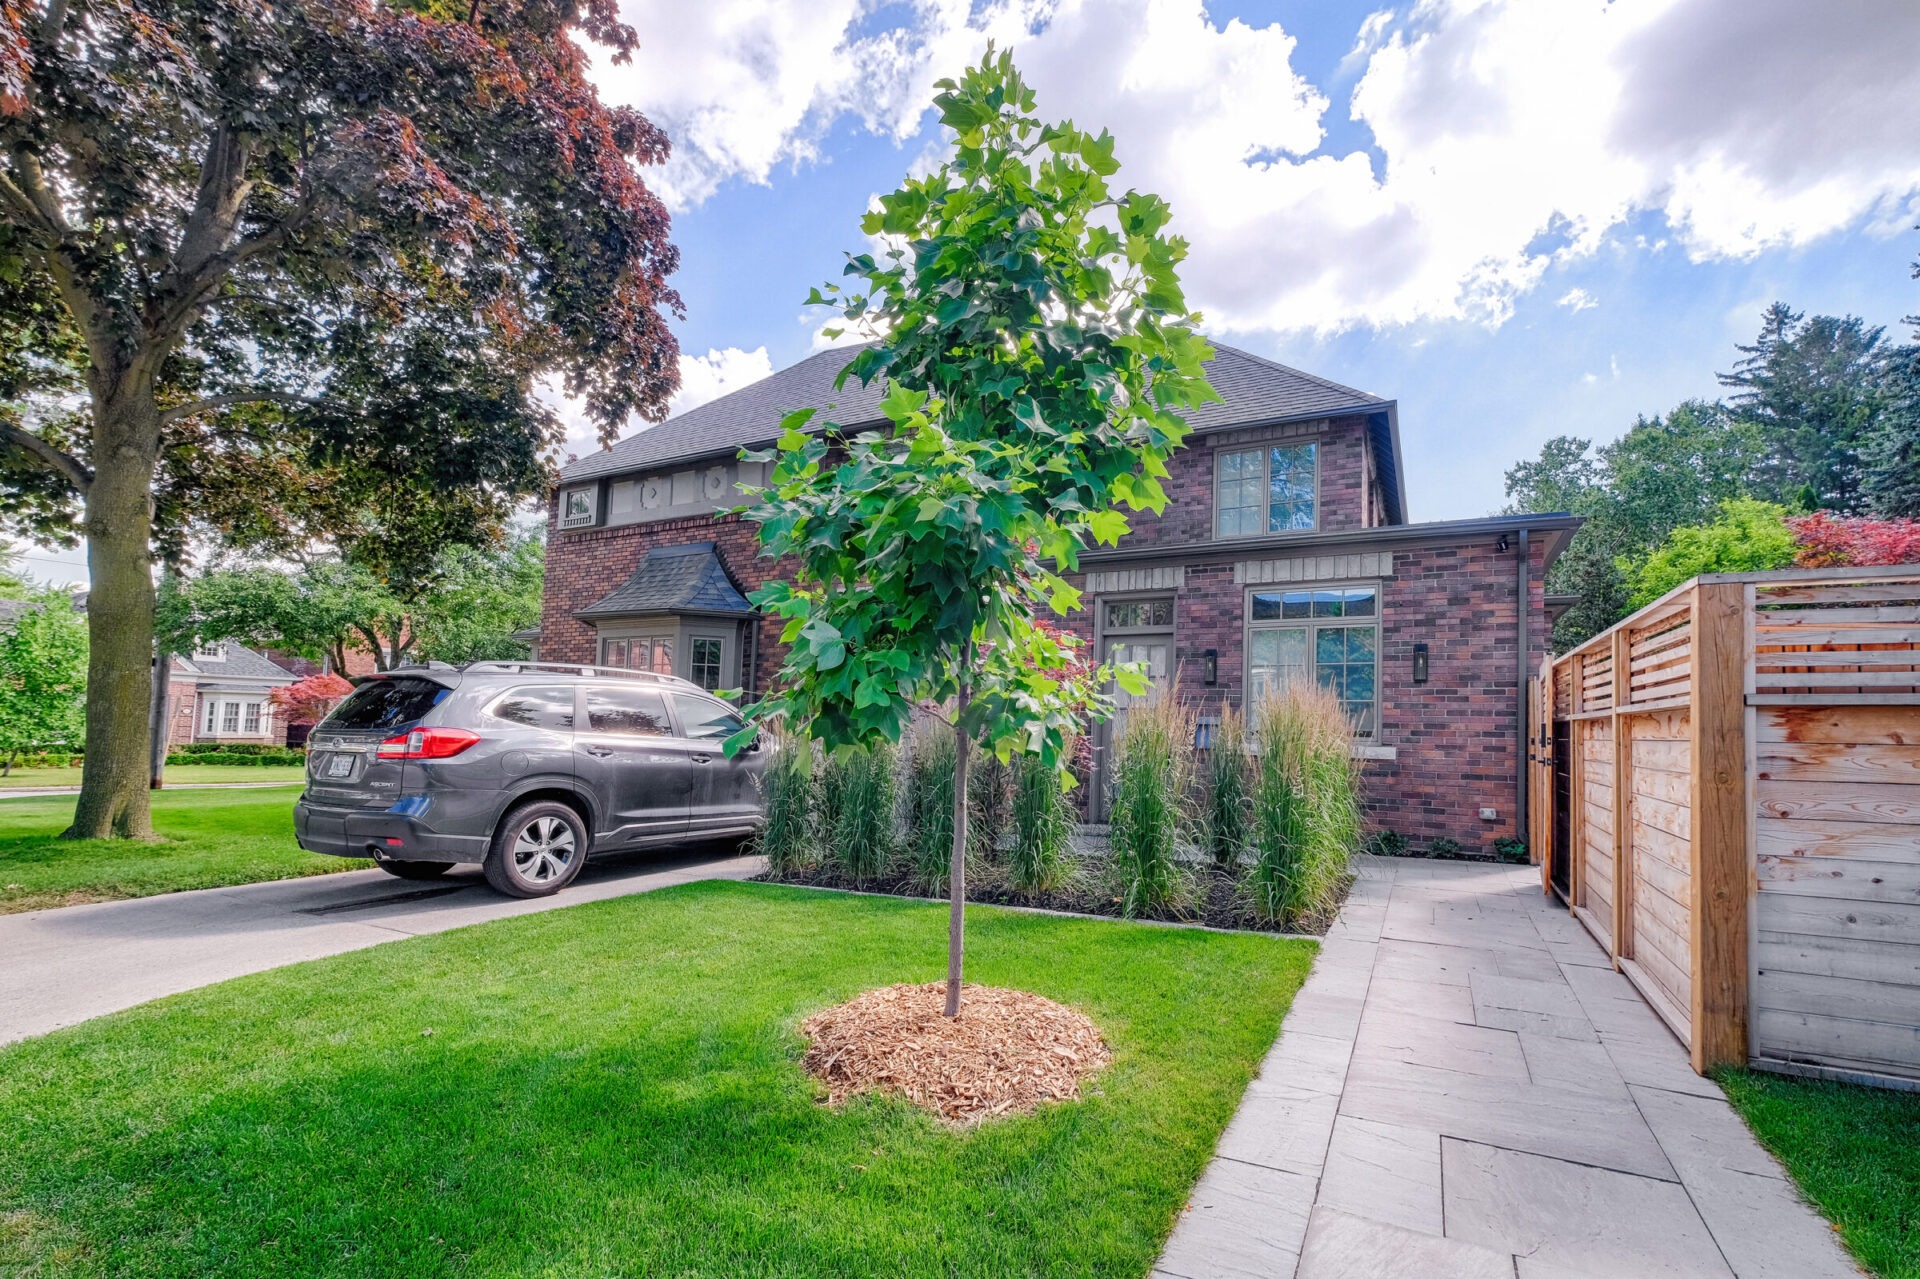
1519	218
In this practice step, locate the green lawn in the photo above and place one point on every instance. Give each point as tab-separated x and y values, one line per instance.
208	838
614	1089
177	774
1855	1153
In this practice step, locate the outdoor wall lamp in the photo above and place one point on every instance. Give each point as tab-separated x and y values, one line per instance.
1419	663
1210	663
1503	544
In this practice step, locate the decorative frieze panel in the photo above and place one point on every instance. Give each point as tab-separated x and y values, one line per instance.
1314	568
1112	581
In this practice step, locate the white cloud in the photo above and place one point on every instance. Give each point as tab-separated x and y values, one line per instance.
1578	300
1509	135
702	378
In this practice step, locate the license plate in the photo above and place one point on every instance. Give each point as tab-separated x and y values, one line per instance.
340	766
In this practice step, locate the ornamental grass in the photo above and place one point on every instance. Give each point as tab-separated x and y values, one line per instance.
1152	767
1306	801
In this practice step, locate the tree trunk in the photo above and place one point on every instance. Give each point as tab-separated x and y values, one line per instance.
957	865
119	527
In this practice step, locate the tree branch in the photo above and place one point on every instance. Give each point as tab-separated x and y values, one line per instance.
193	408
47	455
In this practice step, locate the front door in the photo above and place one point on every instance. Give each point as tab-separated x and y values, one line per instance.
639	772
1156	654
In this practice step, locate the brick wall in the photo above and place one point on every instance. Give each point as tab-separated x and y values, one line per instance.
582	566
1343	467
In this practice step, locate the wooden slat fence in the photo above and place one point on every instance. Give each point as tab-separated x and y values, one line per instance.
1743	820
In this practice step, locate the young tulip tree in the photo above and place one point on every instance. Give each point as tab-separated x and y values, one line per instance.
1038	355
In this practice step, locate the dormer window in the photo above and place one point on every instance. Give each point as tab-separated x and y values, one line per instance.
1266	490
210	653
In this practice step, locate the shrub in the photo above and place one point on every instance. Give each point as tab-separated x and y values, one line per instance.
1746	536
56	759
1229	786
1042	828
1509	849
1387	843
1827	540
1153	762
1444	847
788	839
863	793
930	803
1306	804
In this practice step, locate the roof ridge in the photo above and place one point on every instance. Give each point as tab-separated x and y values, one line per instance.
1315	378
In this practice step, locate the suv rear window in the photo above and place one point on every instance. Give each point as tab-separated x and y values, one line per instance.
634	712
382	704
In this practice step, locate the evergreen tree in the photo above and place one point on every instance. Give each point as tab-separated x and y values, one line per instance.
1811	387
1892	451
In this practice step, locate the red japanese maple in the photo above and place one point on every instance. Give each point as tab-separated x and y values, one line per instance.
1833	541
310	700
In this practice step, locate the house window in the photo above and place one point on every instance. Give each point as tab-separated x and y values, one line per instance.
580	507
1329	635
230	718
1139	615
639	653
1266	490
210	653
705	667
253	718
213	712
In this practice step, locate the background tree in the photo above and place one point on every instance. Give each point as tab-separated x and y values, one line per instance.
43	675
375	224
1812	389
1891	453
462	605
310	700
1037	353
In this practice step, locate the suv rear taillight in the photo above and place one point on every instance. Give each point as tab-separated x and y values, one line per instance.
427	743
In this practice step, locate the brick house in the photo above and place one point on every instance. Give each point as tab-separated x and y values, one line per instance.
220	693
1285	554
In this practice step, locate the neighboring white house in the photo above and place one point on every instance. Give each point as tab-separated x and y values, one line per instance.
221	692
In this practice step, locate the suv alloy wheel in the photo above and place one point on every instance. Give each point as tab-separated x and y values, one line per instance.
537	850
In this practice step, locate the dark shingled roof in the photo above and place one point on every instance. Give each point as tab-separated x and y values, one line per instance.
1252	389
672	579
240	662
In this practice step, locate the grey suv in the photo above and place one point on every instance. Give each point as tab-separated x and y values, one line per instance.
525	768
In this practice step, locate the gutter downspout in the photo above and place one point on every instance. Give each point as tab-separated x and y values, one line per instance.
1524	632
753	659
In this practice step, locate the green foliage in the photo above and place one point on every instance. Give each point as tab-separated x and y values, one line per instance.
43	675
238	755
930	803
1509	849
1748	536
1444	846
790	839
989	783
1037	364
862	794
1042	860
1891	453
465	607
1147	816
1812	388
1306	802
1387	843
1229	790
1664	473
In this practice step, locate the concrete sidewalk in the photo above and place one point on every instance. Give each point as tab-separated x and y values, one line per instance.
1465	1087
62	966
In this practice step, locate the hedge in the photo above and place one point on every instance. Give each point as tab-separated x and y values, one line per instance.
255	757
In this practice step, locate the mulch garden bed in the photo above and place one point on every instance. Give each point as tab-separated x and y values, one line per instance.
1007	1053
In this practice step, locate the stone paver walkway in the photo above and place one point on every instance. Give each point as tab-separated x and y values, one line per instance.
1465	1087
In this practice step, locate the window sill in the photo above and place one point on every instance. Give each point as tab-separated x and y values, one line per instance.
1384	754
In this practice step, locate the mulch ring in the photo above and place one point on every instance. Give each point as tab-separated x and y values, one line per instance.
1007	1052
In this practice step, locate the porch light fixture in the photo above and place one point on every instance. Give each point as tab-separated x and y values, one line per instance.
1419	663
1502	548
1211	665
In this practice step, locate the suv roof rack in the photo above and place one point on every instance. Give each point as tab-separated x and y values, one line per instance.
577	668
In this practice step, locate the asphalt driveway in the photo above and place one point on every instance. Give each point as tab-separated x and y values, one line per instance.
62	966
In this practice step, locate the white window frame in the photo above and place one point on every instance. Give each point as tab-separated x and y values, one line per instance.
213	715
252	719
1265	450
229	718
584	513
211	652
1313	626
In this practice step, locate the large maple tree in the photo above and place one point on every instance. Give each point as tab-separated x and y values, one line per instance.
242	239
